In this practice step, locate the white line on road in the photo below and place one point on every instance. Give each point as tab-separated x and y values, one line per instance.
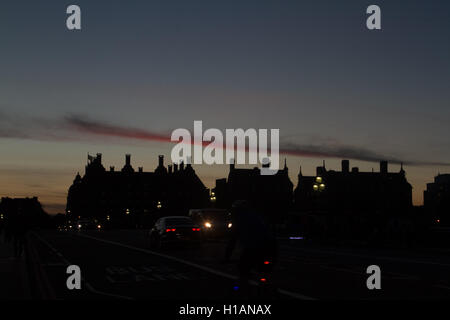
67	262
207	269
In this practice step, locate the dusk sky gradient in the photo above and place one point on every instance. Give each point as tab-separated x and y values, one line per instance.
310	68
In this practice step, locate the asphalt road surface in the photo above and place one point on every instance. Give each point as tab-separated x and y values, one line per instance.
118	264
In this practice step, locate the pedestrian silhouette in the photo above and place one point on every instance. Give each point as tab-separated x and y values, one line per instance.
18	230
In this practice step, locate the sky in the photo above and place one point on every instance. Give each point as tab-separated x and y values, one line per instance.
309	68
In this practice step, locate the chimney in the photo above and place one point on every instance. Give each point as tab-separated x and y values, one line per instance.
161	161
355	169
383	166
99	158
111	168
175	167
128	159
345	166
141	169
320	171
169	168
231	164
181	166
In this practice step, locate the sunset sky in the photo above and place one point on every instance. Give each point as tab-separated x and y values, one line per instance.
310	68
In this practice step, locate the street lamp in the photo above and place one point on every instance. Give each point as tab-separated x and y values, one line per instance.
318	187
159	205
213	196
319	184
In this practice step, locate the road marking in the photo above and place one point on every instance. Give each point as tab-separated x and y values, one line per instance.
207	269
43	283
111	280
88	286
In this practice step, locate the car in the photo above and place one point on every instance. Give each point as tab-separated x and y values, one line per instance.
88	224
174	229
215	223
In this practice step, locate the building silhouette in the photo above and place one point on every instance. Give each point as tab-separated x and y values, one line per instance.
26	211
121	196
349	205
354	192
437	199
271	194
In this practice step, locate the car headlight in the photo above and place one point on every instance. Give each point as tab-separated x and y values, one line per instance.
208	225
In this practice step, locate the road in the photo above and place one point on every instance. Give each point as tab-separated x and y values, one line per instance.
117	264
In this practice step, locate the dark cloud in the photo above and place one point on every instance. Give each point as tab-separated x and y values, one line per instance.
349	152
336	151
75	127
33	128
86	125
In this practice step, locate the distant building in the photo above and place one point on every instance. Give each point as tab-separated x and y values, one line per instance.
108	194
353	192
26	211
437	199
272	194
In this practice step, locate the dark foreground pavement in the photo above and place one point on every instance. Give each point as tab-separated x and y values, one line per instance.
118	264
13	275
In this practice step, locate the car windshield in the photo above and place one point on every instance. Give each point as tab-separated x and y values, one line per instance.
178	221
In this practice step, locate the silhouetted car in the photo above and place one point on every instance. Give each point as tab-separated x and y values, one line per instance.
174	229
214	222
87	224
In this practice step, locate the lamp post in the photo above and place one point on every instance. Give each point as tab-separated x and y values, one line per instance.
213	197
319	184
318	187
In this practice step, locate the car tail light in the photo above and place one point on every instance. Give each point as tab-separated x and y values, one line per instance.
169	230
195	229
263	279
266	262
